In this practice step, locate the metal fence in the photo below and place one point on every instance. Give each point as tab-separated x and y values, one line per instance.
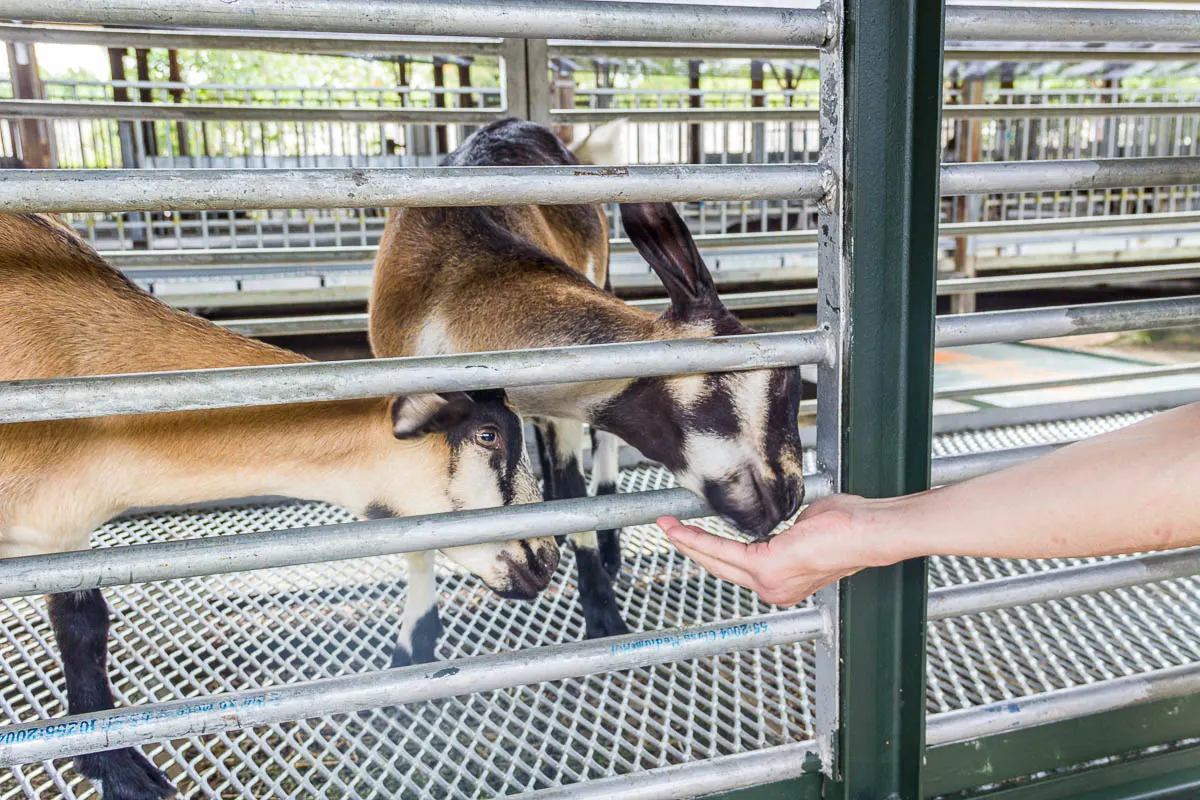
177	125
876	190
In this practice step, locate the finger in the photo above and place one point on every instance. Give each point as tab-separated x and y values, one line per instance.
713	546
669	524
720	569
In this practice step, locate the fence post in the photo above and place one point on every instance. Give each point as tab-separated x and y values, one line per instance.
36	140
878	260
537	80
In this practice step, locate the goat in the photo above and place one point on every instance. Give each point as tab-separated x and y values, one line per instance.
65	312
452	280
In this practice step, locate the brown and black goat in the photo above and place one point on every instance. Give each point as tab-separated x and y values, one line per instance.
65	312
454	280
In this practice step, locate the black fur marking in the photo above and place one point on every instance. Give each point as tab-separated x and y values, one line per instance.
424	639
644	416
80	621
601	616
379	511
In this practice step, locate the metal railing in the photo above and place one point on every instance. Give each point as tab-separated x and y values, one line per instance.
847	624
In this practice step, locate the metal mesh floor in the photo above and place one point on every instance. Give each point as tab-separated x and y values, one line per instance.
200	636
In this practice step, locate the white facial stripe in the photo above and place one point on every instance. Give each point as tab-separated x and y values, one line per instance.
434	338
751	401
474	483
713	458
525	485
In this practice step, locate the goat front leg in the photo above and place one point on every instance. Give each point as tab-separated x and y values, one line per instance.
606	469
560	444
80	621
422	627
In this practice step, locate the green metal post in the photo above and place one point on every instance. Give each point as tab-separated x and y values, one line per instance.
881	94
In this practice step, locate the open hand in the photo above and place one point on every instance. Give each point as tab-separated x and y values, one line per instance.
828	542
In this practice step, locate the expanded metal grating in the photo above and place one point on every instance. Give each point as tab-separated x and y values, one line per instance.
205	635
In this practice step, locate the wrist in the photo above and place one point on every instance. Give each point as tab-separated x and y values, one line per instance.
895	529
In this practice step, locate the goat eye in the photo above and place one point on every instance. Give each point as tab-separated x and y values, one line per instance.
488	437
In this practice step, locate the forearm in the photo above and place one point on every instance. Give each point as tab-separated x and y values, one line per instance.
1134	489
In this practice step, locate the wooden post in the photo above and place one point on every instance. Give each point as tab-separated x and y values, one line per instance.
564	95
34	135
145	95
439	99
175	75
116	66
970	148
695	131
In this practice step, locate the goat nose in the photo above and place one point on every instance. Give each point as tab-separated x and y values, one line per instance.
767	499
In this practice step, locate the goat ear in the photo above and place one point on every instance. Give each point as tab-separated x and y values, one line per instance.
663	239
416	415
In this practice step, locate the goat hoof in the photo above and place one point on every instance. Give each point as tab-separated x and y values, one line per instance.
124	775
610	551
604	622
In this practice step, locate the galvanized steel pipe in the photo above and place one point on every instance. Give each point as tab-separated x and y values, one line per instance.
279	42
1044	323
1068	175
190	390
188	558
1078	701
37	741
200	189
692	778
1022	24
530	19
230	112
1055	584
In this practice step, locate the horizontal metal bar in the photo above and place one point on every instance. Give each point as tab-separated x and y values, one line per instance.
1069	110
385	44
780	298
152	190
38	741
996	416
1117	221
186	558
1046	323
1078	701
1070	175
1075	24
692	778
155	190
1040	587
1070	53
70	109
955	469
1143	373
279	42
591	116
189	257
108	395
532	19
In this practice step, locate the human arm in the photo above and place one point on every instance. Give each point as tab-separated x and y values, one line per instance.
1131	490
